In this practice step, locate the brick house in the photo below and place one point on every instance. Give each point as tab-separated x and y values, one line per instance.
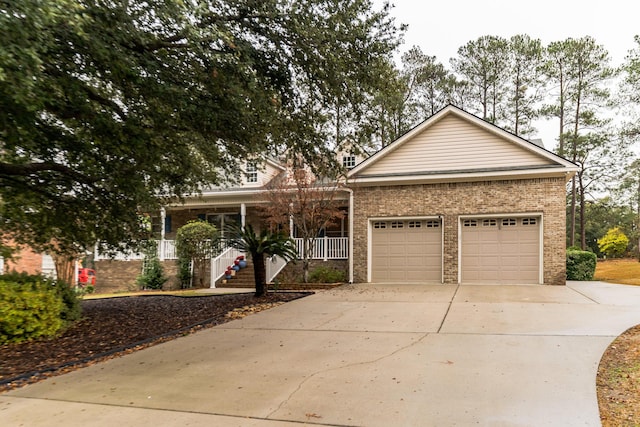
30	262
454	200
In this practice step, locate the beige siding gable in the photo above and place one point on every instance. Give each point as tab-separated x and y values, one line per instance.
251	175
453	144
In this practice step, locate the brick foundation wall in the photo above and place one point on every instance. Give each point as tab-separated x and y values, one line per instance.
120	276
116	276
450	200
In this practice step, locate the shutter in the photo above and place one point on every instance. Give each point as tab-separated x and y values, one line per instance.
167	224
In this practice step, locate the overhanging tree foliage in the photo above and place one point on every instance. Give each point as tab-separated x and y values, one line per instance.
110	108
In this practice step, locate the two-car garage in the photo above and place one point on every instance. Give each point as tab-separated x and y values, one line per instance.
492	250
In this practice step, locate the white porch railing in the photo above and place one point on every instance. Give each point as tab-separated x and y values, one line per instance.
323	248
273	266
326	248
167	249
220	263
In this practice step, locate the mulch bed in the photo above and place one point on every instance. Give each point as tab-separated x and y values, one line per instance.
112	327
618	381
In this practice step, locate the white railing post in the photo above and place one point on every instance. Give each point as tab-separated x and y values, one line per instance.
326	248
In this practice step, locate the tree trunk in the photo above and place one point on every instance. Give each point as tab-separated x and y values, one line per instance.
260	274
572	238
583	234
307	251
65	268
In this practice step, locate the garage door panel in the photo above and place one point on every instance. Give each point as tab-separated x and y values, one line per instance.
413	251
500	250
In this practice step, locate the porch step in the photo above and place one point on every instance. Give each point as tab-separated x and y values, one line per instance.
244	278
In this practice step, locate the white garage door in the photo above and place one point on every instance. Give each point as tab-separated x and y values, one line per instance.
406	251
501	250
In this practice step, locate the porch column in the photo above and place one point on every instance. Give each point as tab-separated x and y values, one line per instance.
291	222
163	216
243	215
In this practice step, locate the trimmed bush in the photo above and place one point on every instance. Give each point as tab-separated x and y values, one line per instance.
323	274
581	265
28	311
71	309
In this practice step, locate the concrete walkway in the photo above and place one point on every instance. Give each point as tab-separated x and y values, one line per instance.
361	355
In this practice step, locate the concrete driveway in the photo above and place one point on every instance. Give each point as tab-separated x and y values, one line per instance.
361	355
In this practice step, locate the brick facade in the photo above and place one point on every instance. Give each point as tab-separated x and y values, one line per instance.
25	260
450	200
120	276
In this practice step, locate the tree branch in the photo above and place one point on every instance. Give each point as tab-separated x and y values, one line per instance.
10	169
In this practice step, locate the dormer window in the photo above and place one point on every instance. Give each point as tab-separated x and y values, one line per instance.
251	173
349	162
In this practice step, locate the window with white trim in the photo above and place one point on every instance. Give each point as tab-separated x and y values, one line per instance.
397	224
489	222
529	221
469	223
349	162
433	223
379	224
415	224
251	172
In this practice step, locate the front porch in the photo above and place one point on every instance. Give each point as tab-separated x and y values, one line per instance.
323	248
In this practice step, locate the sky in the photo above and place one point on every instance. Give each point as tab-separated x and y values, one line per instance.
439	28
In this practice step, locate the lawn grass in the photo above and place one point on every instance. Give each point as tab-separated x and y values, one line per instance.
624	271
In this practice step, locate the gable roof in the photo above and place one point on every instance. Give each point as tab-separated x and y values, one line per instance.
453	145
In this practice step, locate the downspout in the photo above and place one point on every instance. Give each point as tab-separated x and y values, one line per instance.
350	191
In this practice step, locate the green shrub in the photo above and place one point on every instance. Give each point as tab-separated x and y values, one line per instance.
152	276
184	272
581	265
28	311
71	310
614	243
324	274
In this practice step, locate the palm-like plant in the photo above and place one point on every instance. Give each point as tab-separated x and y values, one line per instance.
260	245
